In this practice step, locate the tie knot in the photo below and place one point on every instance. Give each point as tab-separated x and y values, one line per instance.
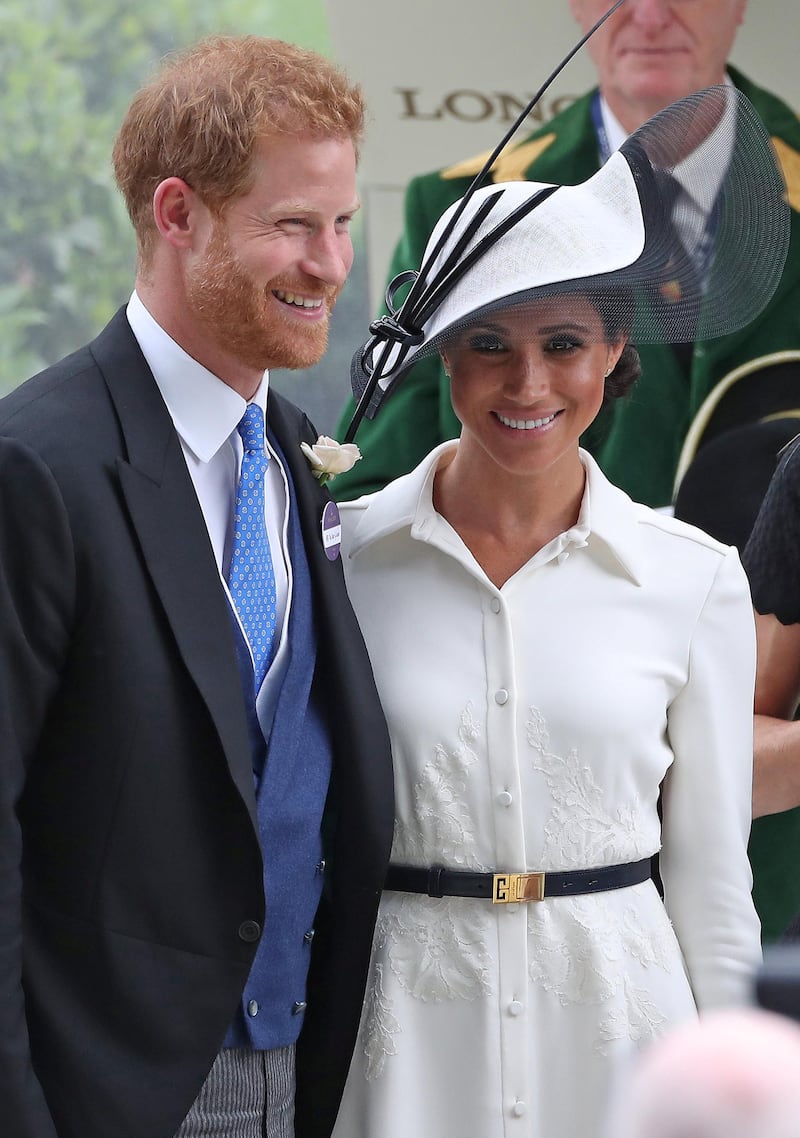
251	429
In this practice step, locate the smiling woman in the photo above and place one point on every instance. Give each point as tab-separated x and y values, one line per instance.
525	386
554	659
535	375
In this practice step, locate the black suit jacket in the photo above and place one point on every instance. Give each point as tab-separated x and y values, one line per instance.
128	851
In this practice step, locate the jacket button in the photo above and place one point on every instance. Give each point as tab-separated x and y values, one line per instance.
309	936
320	866
299	1006
249	931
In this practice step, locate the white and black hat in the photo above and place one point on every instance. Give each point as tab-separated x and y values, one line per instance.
681	235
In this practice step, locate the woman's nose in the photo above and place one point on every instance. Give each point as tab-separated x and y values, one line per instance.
531	378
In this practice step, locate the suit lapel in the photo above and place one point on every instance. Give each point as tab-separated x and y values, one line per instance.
165	514
290	426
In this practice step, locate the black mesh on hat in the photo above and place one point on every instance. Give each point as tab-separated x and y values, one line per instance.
742	252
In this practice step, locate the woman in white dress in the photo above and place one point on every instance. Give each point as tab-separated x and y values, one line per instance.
559	666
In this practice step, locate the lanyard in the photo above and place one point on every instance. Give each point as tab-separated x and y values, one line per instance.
603	145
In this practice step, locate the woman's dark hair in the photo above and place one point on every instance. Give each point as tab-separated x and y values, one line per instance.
616	311
620	381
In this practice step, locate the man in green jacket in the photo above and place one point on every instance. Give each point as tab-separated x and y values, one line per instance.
650	53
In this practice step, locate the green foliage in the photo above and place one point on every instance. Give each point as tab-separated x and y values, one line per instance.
67	71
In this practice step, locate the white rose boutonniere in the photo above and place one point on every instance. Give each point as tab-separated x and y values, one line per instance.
328	458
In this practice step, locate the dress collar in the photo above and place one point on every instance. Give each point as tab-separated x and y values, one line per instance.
608	519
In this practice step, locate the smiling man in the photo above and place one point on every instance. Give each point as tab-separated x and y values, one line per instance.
185	691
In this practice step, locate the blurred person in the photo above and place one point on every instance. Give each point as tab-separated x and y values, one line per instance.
731	1074
772	560
553	659
184	683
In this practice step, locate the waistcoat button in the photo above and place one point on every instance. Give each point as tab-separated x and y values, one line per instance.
249	931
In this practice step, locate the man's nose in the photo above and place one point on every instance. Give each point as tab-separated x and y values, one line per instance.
329	257
651	14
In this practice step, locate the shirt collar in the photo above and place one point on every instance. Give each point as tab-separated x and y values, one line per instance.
608	518
613	520
204	409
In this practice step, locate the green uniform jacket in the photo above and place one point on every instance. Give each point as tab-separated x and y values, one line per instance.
639	440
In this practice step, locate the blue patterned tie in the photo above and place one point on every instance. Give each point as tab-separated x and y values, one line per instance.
252	578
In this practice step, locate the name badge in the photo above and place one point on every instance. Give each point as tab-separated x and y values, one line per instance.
331	531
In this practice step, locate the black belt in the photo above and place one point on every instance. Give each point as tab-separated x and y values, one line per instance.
508	888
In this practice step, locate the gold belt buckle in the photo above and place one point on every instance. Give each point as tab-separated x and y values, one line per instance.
509	888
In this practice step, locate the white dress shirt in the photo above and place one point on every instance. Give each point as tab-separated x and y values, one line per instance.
205	412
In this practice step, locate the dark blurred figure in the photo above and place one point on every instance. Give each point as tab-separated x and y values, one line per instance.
724	486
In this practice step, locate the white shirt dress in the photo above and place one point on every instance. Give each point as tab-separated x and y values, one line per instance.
532	727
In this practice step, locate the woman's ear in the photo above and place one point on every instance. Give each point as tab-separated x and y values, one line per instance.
445	362
612	357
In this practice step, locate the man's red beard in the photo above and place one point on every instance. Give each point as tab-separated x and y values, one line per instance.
246	319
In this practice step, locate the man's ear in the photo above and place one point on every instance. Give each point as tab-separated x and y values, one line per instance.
178	212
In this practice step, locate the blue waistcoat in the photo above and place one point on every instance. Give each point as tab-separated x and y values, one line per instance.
291	788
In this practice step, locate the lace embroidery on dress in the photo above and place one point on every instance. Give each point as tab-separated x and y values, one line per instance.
582	947
382	1026
433	948
442	831
436	947
580	832
637	1019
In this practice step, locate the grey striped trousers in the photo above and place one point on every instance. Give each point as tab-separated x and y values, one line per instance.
247	1094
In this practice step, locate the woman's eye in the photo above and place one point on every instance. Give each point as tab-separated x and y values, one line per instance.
563	344
485	342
